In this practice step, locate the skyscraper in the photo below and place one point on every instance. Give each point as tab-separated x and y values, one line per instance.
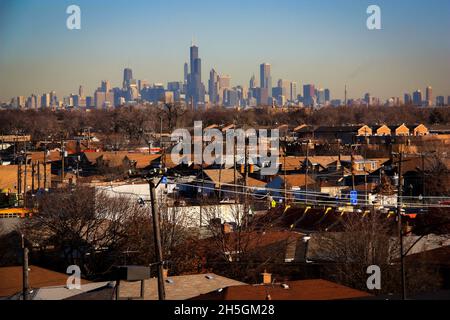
106	86
253	83
213	87
309	93
327	95
81	91
429	96
293	93
186	72
417	98
266	83
321	96
196	89
407	99
127	76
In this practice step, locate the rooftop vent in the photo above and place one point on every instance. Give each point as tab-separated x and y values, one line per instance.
169	281
285	286
209	277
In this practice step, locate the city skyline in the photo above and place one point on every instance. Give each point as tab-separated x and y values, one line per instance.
305	49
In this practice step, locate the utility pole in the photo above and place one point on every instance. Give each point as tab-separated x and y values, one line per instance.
157	239
19	178
203	184
39	174
399	222
423	178
62	160
25	178
45	167
285	183
33	172
234	166
246	165
25	286
353	169
307	172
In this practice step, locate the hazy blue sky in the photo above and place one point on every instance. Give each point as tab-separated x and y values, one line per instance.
325	42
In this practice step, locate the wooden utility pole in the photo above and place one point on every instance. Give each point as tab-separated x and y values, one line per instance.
62	160
399	224
157	239
234	167
45	167
39	174
25	178
307	172
33	172
284	165
353	168
25	282
19	178
203	184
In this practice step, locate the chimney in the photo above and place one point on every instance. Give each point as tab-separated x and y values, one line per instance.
266	277
227	228
165	273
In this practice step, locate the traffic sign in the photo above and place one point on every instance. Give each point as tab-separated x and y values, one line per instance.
354	197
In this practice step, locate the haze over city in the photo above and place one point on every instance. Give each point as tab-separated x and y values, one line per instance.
321	42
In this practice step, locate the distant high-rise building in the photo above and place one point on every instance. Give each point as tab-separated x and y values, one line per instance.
154	93
195	87
45	100
308	94
448	100
81	91
265	83
213	87
429	96
417	98
186	72
253	83
38	101
89	102
106	86
367	99
408	99
320	96
293	91
327	95
174	86
142	84
285	86
104	99
224	84
53	99
440	101
127	77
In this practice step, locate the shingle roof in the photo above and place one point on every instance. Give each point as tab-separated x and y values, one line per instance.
179	288
298	290
11	279
298	180
224	176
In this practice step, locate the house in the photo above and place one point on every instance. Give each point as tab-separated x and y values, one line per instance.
401	130
140	161
315	289
222	180
346	134
384	130
293	182
420	130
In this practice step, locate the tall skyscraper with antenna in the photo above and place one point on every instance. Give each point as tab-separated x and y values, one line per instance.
195	87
